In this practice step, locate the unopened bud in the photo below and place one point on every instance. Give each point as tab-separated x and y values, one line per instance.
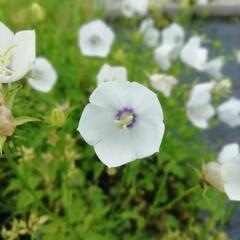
58	117
7	124
38	12
212	175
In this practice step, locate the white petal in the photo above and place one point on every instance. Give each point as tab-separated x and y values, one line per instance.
162	56
214	67
108	73
228	152
6	38
238	55
229	112
202	2
193	54
103	35
116	149
23	54
231	176
131	8
96	123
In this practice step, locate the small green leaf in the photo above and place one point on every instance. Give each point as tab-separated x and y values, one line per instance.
22	120
2	141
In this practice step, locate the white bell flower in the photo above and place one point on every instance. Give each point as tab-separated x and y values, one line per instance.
224	174
42	76
172	42
229	112
150	33
96	39
109	73
214	67
199	108
193	54
163	83
132	8
123	122
17	53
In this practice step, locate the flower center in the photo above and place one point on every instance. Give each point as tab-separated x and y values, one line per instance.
95	39
125	118
5	62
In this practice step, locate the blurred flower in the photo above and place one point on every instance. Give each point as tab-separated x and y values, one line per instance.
150	33
222	87
199	108
95	39
131	8
163	83
123	121
7	124
17	53
238	55
224	174
172	42
42	76
202	2
193	54
229	112
214	67
38	13
108	73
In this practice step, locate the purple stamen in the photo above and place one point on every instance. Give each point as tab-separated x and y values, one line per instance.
127	111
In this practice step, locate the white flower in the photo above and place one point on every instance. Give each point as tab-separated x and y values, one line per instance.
172	42
163	83
224	174
150	33
202	2
109	73
95	39
199	108
194	55
17	53
229	112
214	67
131	8
42	76
123	121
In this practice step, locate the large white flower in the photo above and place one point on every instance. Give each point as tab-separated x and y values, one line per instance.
42	76
199	108
150	33
131	8
109	73
17	53
96	39
123	121
214	67
172	42
163	83
224	174
193	54
229	112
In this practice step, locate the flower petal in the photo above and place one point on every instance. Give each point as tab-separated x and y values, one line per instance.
6	38
228	152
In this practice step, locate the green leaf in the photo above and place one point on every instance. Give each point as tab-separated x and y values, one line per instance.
2	141
22	120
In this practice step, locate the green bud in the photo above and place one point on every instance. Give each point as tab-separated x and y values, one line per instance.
58	118
38	12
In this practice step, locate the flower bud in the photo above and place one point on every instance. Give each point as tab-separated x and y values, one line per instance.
212	175
7	124
223	87
58	117
38	12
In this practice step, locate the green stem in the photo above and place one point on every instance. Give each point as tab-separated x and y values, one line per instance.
177	199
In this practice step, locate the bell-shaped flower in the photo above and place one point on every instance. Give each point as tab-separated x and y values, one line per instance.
150	33
132	8
199	108
214	67
193	54
109	73
17	53
42	76
163	83
229	112
96	39
123	122
172	42
224	174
